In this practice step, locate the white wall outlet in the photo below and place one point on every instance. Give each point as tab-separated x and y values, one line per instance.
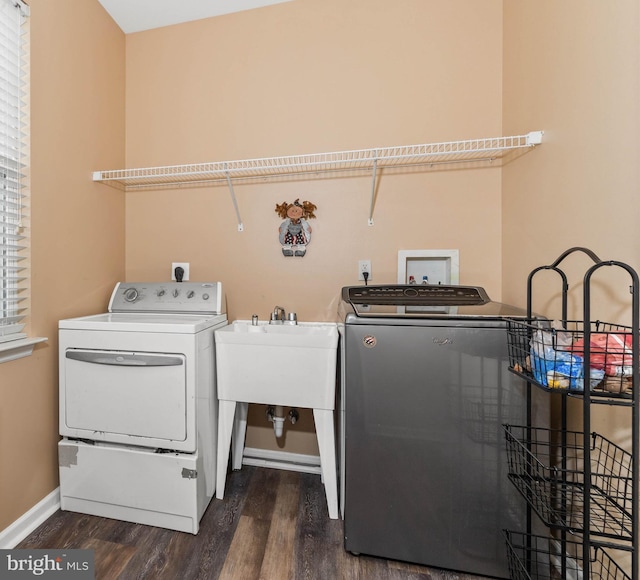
184	266
364	266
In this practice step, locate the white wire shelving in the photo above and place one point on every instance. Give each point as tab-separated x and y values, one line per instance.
471	150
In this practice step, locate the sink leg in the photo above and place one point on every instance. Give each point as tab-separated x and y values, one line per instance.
327	446
239	433
226	412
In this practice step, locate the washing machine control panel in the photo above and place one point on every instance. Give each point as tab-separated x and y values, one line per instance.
416	295
176	297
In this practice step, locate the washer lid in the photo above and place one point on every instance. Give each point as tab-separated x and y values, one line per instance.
144	322
422	301
416	295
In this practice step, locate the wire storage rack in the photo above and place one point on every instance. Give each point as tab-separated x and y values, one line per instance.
403	156
580	485
555	492
553	358
535	557
358	159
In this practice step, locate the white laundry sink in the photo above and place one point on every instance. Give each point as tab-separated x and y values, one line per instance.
278	364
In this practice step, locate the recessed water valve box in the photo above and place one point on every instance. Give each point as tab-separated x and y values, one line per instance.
428	267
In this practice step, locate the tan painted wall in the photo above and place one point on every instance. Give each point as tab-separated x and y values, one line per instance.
313	76
572	68
77	126
574	72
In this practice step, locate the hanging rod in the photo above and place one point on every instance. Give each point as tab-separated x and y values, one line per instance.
471	150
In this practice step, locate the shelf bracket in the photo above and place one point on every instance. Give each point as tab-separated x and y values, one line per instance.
374	170
233	199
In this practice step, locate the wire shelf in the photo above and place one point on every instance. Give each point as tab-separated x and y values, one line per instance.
533	557
363	159
552	358
556	492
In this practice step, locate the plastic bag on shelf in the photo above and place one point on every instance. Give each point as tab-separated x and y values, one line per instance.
546	341
552	363
595	378
558	370
542	344
609	351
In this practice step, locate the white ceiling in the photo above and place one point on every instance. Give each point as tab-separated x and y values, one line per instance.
137	15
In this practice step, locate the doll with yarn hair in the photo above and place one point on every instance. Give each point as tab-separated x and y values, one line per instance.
295	231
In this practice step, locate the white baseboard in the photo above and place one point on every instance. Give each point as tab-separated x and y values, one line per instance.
11	536
281	460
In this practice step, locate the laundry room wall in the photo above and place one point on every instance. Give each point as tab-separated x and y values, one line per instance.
77	227
314	76
575	73
573	69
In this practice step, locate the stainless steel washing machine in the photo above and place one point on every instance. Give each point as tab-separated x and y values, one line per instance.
426	392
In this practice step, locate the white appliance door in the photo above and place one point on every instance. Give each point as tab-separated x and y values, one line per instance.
114	393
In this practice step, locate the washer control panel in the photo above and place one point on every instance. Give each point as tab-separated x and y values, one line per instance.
416	295
178	297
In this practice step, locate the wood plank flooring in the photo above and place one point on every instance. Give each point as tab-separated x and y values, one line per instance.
272	525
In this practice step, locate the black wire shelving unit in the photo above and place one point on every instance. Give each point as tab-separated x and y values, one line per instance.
580	485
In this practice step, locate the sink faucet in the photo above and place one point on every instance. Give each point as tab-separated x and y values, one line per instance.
278	315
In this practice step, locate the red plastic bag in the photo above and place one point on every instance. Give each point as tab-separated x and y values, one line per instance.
611	351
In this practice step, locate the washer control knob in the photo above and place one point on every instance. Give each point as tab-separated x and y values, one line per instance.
130	294
191	294
161	292
205	297
175	293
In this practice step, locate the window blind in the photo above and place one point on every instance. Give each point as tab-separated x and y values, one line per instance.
13	168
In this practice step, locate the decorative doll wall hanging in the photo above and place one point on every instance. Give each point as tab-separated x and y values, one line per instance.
295	231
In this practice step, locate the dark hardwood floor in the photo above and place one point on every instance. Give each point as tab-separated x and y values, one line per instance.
272	525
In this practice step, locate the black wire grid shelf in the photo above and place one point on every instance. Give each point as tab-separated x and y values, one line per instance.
533	557
553	358
555	488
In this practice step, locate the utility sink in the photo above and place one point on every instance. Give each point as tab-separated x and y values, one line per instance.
278	364
282	365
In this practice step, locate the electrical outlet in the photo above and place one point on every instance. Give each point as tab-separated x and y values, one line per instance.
364	266
184	266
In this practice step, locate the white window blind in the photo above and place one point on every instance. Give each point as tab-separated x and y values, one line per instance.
13	168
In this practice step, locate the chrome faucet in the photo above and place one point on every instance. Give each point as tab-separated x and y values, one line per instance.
277	316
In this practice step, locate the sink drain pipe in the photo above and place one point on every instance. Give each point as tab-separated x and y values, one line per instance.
276	415
278	420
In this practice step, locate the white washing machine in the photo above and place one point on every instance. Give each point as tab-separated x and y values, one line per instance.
139	406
